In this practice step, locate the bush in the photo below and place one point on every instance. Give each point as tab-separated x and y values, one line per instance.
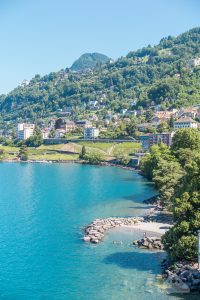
93	158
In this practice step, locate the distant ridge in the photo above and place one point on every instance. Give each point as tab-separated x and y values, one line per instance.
89	61
166	75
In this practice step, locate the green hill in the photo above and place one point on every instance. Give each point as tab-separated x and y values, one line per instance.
162	74
89	61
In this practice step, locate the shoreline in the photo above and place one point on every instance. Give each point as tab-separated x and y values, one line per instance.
153	227
96	230
104	163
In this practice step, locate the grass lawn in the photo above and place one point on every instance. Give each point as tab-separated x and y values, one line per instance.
111	148
127	148
53	156
9	149
51	147
49	152
98	145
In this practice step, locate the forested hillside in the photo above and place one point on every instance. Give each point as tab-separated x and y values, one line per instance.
162	74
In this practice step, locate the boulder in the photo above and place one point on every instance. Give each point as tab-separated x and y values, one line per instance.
94	241
195	282
86	239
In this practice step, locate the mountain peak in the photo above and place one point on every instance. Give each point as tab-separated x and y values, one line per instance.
89	61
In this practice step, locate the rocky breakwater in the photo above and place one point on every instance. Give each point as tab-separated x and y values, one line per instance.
183	276
95	231
149	243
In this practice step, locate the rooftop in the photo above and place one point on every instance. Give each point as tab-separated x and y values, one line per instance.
186	120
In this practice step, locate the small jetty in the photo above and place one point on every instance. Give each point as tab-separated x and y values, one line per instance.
96	230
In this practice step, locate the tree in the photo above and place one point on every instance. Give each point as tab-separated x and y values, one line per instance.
83	152
23	153
93	157
52	133
166	177
186	138
60	123
171	121
181	240
131	128
121	157
162	127
150	161
36	139
2	153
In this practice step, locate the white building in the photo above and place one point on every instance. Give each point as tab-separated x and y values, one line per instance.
59	133
25	130
185	123
91	133
45	133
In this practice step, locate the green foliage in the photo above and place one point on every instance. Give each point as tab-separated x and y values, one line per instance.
166	177
186	138
2	154
150	162
23	153
121	156
93	157
36	139
89	61
181	240
6	142
83	152
176	174
160	74
163	127
180	246
165	89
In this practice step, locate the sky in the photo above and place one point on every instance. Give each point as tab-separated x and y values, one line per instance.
43	36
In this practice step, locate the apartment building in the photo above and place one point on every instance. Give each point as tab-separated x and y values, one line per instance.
91	133
25	130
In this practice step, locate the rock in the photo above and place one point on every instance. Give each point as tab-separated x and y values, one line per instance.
135	242
184	288
95	231
184	274
86	239
193	288
195	282
145	244
169	273
185	277
94	241
196	274
150	246
149	243
178	265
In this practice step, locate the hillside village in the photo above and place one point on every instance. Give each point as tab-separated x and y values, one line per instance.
160	127
144	97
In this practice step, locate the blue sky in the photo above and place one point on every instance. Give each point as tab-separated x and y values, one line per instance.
40	36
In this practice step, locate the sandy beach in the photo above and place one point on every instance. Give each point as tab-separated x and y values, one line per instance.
153	227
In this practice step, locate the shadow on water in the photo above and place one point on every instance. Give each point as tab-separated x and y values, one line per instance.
138	198
136	260
185	297
140	180
141	207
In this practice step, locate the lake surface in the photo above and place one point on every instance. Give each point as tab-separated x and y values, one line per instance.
43	208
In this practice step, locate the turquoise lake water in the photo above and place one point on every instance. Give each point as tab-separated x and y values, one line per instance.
43	208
